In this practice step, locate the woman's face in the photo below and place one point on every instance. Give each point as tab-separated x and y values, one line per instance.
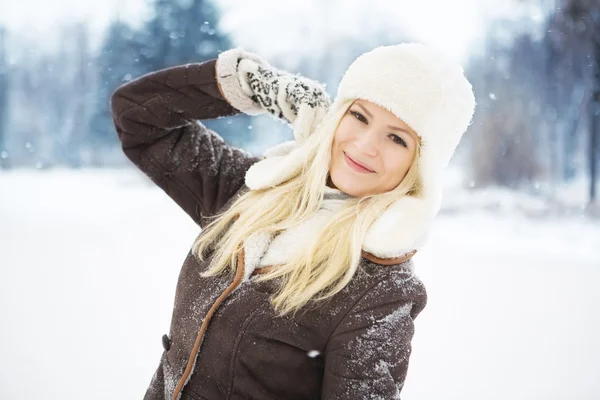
378	140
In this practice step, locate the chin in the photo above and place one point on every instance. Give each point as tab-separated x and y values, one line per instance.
349	190
348	184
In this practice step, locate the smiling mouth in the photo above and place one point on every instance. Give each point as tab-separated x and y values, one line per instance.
356	166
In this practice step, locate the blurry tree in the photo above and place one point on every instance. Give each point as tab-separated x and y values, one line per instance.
116	63
49	106
181	31
177	32
573	46
79	82
3	99
185	31
505	139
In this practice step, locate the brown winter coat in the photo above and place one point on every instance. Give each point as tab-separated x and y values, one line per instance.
225	341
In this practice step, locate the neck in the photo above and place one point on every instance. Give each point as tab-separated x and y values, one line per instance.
330	182
332	192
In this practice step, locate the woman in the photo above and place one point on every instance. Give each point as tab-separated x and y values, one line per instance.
300	285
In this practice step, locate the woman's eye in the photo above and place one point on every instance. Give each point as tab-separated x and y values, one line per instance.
399	140
359	116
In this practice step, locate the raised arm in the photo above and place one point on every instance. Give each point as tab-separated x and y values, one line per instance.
157	121
156	118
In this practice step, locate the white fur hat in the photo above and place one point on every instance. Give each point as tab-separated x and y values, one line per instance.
423	88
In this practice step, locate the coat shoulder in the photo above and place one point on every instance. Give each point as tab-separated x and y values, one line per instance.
397	282
368	353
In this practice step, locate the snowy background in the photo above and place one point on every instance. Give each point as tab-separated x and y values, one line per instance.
90	261
90	250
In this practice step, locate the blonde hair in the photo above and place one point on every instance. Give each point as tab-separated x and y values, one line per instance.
324	267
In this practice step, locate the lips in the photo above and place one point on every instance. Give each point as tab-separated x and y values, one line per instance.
356	165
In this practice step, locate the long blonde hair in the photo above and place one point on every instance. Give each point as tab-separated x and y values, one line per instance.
324	267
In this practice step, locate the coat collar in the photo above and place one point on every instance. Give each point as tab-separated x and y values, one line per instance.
365	255
256	246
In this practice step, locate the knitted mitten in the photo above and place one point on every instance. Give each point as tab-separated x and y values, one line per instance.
280	93
253	86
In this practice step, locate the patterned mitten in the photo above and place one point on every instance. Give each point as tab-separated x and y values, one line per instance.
279	92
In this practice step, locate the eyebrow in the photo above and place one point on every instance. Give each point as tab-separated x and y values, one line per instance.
389	126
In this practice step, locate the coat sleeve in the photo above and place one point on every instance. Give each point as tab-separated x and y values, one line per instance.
157	121
368	353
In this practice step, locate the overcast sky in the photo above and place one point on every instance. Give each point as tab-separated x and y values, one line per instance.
40	15
452	25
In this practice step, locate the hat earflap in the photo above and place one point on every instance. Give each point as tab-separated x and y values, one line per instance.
286	160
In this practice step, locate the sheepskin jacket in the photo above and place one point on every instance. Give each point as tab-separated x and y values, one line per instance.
225	340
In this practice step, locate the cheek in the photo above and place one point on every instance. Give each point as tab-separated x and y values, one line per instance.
341	140
344	130
397	163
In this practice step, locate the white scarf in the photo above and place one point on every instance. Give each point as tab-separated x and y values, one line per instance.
262	249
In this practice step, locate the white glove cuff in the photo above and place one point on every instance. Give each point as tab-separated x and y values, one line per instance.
228	78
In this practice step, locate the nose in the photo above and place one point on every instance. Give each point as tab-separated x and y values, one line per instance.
366	142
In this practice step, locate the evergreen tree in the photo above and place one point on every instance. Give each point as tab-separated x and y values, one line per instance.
573	47
186	31
117	63
178	32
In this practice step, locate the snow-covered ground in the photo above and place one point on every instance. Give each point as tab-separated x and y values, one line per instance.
89	262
